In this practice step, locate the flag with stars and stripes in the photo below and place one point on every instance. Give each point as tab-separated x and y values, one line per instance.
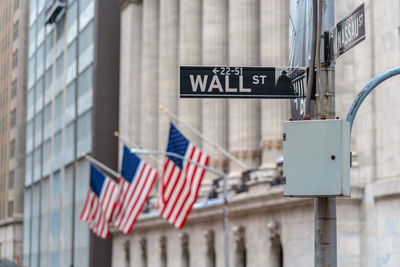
136	183
100	202
181	179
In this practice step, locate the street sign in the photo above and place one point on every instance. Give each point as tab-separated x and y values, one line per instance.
242	82
348	32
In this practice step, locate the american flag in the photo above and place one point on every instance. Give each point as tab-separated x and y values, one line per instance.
181	180
100	202
136	183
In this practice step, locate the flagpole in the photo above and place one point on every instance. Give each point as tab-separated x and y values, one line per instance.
212	170
216	146
101	165
132	144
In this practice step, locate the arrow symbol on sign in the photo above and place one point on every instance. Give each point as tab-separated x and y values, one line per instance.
215	70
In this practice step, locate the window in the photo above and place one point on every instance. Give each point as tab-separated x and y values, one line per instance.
57	150
72	22
60	36
39	61
31	71
11	179
30	104
84	135
12	148
47	131
15	59
56	183
38	128
37	164
58	112
86	12
69	143
29	136
69	113
32	39
59	74
49	47
46	157
14	88
48	83
85	47
13	118
40	29
85	85
10	208
16	27
71	62
39	95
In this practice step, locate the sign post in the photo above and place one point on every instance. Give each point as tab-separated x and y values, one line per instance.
242	82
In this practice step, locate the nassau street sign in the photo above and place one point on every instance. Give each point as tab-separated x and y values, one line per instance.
348	32
242	82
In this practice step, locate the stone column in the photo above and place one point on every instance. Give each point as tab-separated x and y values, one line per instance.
244	50
149	91
274	52
168	67
215	52
130	70
190	18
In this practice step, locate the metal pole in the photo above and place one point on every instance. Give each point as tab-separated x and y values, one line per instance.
101	165
216	146
212	170
325	244
368	89
226	221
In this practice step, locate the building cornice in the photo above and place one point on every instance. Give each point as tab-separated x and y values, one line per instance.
124	3
244	203
16	220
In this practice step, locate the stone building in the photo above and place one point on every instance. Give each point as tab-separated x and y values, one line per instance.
13	52
266	229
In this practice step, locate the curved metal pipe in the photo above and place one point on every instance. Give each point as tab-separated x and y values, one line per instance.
365	92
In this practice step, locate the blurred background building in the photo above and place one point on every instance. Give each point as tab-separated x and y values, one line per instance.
72	107
266	229
13	61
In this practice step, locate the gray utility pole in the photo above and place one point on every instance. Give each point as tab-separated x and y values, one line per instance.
325	250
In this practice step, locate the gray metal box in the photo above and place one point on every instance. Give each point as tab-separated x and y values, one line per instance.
316	158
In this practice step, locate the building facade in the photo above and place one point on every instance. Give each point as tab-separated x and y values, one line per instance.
13	54
266	229
72	107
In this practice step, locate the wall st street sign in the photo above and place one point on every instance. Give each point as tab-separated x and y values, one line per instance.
348	32
242	82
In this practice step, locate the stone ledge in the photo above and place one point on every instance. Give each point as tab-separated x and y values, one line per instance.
387	188
241	203
9	221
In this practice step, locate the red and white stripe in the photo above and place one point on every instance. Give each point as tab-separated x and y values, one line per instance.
179	188
133	197
97	211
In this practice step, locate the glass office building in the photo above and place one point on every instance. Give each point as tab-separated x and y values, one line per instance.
68	86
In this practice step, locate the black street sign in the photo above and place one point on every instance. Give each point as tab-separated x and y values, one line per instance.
242	82
348	32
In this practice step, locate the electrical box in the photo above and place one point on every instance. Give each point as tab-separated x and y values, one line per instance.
316	158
